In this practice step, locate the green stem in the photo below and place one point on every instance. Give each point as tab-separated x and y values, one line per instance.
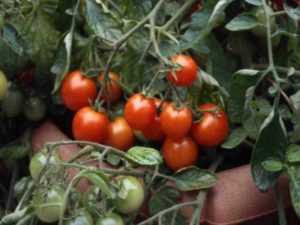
86	150
279	69
280	206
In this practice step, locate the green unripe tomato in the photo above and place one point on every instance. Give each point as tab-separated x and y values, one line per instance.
261	31
131	195
43	197
12	103
81	217
3	80
34	108
39	160
110	219
275	42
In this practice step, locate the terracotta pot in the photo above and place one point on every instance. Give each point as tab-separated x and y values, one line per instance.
233	200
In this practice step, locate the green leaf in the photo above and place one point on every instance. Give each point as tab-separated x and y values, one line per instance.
62	60
100	180
208	79
294	177
102	23
270	144
242	81
193	178
272	165
295	137
293	153
15	217
295	99
14	151
10	36
219	9
165	198
144	156
254	2
40	38
235	138
293	13
135	9
22	186
245	21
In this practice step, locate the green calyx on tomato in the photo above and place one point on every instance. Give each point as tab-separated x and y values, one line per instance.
39	160
34	108
110	219
186	74
12	103
81	217
261	30
131	195
3	85
48	203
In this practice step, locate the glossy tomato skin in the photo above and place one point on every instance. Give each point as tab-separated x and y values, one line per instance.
55	195
81	218
3	85
132	192
120	134
110	219
139	111
187	74
176	123
77	90
213	127
180	152
90	125
113	91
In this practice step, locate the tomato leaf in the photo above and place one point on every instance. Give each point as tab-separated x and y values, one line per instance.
295	137
271	143
104	25
144	156
163	199
293	173
242	81
135	9
272	165
235	138
245	21
100	180
293	13
22	186
293	153
15	217
254	2
193	178
295	99
217	12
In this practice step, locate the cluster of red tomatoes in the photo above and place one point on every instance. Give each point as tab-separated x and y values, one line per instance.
158	120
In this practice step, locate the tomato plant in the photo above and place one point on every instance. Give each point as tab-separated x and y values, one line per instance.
34	108
90	125
186	74
110	219
131	195
139	111
113	91
120	135
77	90
213	127
80	218
175	122
3	85
43	198
179	152
12	103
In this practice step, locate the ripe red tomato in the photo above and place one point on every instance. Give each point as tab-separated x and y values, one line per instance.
139	111
187	74
154	132
113	90
120	135
180	152
175	122
90	125
213	127
77	90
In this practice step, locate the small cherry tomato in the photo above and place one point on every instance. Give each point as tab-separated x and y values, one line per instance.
110	219
90	125
139	111
213	127
34	108
77	90
175	122
81	217
113	90
12	103
180	152
3	85
131	195
120	135
50	202
186	74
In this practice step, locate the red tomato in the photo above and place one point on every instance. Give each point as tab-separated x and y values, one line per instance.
213	127
139	111
180	152
90	125
77	90
120	135
187	74
154	132
113	90
175	122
